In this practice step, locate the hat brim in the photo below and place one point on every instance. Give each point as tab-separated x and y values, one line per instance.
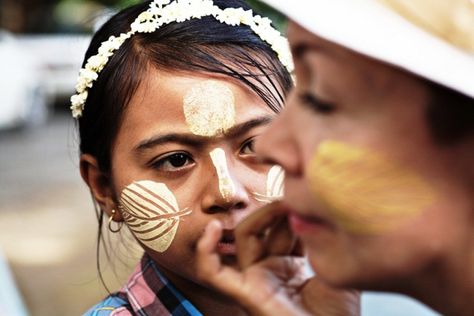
372	29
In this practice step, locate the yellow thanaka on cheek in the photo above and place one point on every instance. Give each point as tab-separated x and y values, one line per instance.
365	192
151	212
226	185
209	108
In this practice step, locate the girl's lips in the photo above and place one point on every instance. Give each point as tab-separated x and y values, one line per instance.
307	224
226	249
226	246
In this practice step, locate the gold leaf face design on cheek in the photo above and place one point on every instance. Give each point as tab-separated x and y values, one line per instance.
209	108
151	212
365	192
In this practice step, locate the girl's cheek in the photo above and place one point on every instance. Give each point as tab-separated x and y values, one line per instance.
275	182
152	213
274	186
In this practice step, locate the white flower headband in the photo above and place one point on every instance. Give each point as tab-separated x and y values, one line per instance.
162	12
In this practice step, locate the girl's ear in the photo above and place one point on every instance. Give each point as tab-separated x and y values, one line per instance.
100	185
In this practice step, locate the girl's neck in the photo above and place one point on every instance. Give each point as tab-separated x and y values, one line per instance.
206	300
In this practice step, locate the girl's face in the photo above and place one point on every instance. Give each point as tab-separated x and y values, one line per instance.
183	156
371	195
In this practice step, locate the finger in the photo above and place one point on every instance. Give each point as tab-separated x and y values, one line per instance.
207	258
280	240
298	249
208	264
250	234
322	299
288	268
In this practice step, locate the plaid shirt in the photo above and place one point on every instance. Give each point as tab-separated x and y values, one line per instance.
147	293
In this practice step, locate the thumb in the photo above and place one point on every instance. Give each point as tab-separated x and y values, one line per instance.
210	270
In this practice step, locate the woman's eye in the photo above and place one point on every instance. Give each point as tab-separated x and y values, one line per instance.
247	148
314	103
173	162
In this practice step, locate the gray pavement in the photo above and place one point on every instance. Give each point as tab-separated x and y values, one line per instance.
47	222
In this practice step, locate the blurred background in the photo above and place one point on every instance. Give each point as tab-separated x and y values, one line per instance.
48	227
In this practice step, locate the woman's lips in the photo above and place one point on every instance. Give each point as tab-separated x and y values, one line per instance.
303	224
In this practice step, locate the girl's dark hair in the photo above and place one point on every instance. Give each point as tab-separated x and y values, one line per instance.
198	45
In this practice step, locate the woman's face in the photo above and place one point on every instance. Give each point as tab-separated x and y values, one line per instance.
371	195
183	156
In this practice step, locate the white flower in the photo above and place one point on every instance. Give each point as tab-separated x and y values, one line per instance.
230	16
246	17
145	17
263	22
163	12
105	51
144	23
76	112
161	3
88	75
77	104
114	43
97	62
82	85
79	99
202	8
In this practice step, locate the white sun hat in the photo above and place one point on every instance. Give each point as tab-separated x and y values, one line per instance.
431	38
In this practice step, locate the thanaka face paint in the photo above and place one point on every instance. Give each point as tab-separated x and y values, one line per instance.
363	191
151	212
274	186
209	108
226	185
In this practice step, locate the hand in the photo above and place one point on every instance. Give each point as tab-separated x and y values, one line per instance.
272	279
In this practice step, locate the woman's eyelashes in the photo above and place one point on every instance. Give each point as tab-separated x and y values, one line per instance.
173	162
314	103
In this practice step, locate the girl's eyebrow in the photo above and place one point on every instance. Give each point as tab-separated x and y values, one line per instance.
242	128
185	139
199	141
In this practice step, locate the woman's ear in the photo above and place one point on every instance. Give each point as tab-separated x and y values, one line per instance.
100	185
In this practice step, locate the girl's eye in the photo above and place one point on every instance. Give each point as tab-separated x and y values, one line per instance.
173	162
247	148
314	103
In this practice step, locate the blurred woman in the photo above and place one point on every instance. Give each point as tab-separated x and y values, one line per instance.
377	141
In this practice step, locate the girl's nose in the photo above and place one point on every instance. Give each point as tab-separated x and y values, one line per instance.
225	192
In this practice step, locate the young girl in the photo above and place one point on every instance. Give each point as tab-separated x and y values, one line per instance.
169	101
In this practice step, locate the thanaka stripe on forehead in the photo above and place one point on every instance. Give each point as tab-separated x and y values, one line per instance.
199	141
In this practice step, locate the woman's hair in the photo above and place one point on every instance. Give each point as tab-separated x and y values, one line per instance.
198	45
450	115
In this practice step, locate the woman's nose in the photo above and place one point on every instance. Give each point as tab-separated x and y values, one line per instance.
277	146
225	192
